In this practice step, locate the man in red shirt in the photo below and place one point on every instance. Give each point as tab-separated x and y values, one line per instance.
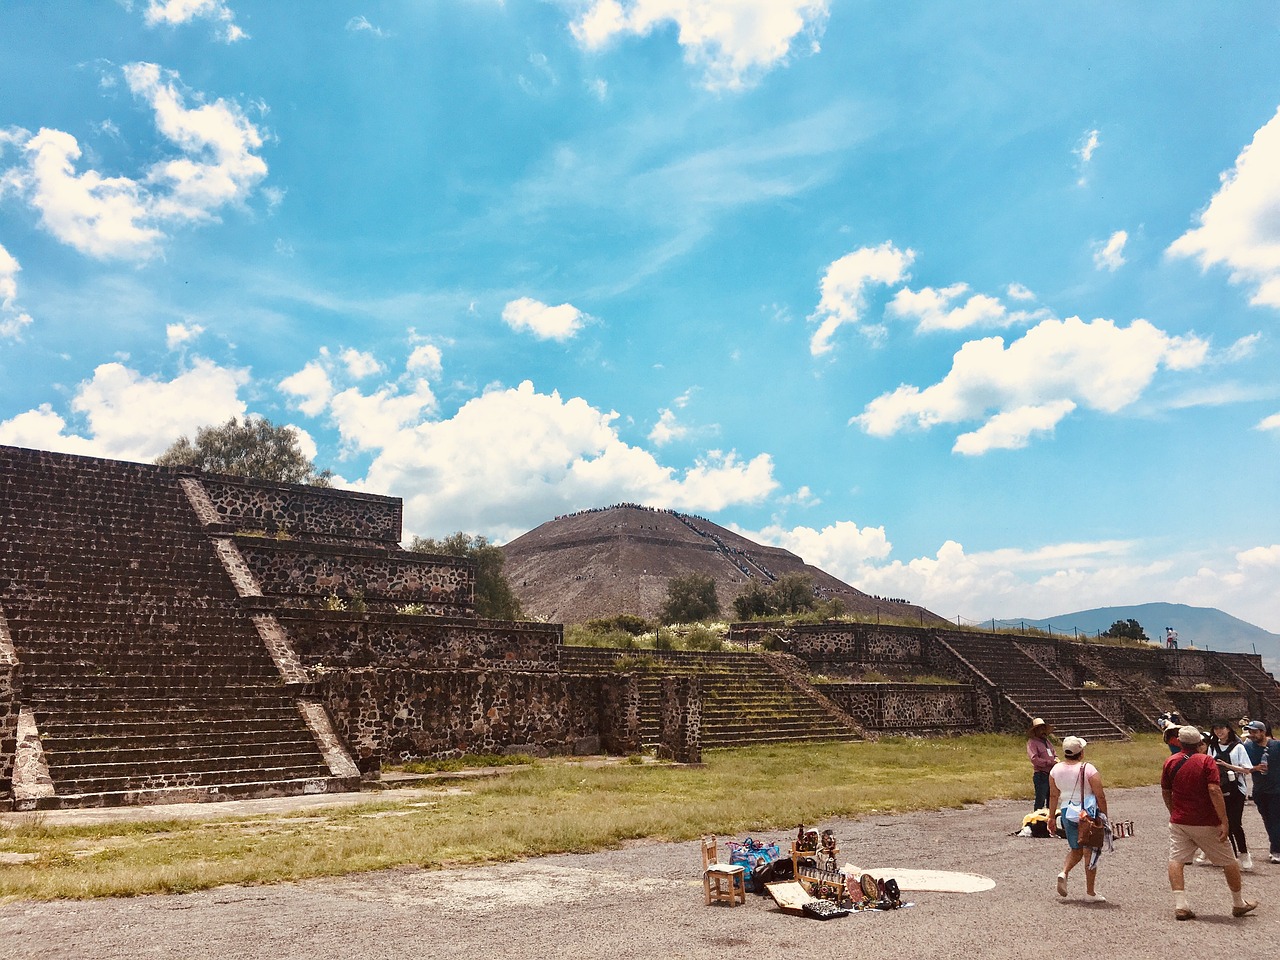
1197	818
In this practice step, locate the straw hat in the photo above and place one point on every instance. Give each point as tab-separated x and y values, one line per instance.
1037	723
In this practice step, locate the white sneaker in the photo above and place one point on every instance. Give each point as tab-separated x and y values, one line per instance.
1274	859
1246	861
1094	898
1062	884
1201	860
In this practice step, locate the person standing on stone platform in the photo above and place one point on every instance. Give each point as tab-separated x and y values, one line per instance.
1042	756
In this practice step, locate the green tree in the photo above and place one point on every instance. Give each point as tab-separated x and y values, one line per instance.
254	447
1126	630
792	593
690	597
494	597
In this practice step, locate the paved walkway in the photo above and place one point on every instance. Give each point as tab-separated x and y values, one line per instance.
645	901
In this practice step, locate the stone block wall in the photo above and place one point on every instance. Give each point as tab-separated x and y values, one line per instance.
1109	703
335	516
680	719
445	586
401	715
620	713
907	707
342	639
10	703
1202	707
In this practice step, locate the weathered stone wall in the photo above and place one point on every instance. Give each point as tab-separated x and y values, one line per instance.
680	719
1202	707
1109	703
342	639
444	585
907	707
337	516
10	702
620	713
400	714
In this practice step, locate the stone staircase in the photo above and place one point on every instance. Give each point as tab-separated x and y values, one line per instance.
1030	688
745	701
145	679
1250	677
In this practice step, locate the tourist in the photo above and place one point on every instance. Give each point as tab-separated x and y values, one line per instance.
1075	785
1040	753
1264	754
1171	738
1233	774
1192	791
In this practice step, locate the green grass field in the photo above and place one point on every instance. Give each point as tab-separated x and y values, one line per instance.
547	807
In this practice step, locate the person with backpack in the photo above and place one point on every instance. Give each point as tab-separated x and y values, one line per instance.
1192	791
1233	772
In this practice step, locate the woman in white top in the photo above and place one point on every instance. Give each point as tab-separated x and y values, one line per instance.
1233	767
1075	783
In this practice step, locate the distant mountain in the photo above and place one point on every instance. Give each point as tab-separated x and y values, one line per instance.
1205	627
597	563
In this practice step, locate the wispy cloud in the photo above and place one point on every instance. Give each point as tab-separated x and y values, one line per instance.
1109	254
175	12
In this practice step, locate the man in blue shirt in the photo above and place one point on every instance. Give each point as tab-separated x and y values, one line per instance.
1264	754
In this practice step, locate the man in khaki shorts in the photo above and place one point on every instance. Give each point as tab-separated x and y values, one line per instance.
1197	818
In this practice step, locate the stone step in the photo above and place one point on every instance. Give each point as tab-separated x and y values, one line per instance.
209	793
183	766
259	772
86	754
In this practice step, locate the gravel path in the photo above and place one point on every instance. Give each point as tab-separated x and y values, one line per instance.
645	901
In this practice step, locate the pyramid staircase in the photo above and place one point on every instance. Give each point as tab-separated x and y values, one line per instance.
1028	687
1245	672
745	701
144	680
1144	699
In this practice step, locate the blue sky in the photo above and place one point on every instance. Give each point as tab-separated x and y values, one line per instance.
975	307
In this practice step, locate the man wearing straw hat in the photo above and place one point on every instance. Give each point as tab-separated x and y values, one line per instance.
1040	753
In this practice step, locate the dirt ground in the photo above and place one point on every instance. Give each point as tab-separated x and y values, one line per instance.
645	901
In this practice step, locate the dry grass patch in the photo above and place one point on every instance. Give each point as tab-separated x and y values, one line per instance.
549	807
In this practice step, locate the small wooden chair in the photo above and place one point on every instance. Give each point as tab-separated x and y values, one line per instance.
722	881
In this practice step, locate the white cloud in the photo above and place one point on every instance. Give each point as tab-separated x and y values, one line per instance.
667	429
124	217
1036	381
373	421
598	88
840	549
361	24
1109	255
1018	291
426	360
1242	349
524	456
844	288
311	387
1246	584
100	216
937	309
1240	228
13	320
360	364
1087	145
132	417
1269	423
544	322
217	139
732	41
176	334
175	12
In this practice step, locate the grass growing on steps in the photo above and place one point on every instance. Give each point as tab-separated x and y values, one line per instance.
547	807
